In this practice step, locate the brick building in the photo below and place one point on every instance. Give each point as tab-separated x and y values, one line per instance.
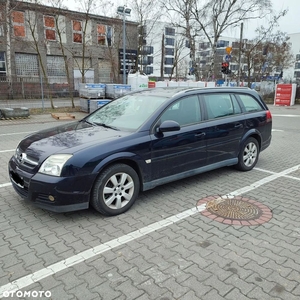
50	49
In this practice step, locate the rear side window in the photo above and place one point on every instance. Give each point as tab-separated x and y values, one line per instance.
221	105
250	103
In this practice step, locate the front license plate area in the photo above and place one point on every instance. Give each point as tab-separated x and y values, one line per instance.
17	179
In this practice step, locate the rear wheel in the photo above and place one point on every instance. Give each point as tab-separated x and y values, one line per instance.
248	156
115	190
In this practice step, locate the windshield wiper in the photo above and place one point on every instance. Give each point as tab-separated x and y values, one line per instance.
89	122
106	126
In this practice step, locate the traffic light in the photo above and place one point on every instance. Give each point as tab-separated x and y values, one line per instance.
225	68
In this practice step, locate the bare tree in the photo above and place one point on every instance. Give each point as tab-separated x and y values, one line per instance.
253	51
178	57
142	12
214	17
85	39
60	29
38	44
8	46
108	52
179	13
5	26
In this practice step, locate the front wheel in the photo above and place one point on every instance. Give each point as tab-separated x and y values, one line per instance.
115	190
248	155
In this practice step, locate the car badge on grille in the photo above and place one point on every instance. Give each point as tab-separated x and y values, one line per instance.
23	157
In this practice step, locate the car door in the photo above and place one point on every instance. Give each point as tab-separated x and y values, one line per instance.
225	126
182	150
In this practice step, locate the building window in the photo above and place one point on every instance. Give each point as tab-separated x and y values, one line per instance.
297	74
297	56
55	66
142	35
18	21
150	60
49	24
2	64
146	60
297	65
27	64
101	31
234	67
168	71
169	61
169	51
169	31
203	46
104	35
143	61
221	44
147	50
105	73
77	31
148	70
170	42
109	33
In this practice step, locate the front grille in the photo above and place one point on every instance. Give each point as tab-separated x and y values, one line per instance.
26	159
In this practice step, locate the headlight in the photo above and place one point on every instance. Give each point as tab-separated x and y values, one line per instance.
54	164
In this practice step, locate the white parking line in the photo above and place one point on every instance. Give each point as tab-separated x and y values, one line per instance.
289	116
15	133
5	184
92	252
10	150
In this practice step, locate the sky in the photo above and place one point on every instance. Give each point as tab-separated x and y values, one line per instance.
290	23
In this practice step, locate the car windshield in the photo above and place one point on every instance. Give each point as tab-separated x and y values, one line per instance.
126	113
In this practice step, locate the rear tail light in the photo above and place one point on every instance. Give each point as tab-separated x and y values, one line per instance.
269	116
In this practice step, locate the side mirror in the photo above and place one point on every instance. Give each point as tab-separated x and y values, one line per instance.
167	126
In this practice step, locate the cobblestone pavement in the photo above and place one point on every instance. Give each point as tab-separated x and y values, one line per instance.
163	247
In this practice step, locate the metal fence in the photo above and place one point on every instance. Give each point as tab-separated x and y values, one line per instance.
35	88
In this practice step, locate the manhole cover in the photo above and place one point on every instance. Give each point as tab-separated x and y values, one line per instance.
235	210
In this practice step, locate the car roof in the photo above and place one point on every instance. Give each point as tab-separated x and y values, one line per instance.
169	92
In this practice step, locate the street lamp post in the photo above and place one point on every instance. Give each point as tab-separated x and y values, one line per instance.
124	11
240	55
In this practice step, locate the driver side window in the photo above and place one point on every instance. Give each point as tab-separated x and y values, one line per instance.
185	111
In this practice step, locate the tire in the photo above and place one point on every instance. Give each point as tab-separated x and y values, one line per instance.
115	190
248	155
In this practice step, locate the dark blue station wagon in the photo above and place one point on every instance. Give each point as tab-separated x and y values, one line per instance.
139	141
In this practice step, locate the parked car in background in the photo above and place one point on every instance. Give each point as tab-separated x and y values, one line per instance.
137	142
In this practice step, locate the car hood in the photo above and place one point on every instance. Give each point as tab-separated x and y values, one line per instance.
68	138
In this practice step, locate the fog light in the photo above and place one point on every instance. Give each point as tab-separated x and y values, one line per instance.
51	198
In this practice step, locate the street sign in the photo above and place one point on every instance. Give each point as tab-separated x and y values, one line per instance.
228	57
228	50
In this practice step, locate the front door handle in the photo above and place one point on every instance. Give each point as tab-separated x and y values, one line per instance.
200	134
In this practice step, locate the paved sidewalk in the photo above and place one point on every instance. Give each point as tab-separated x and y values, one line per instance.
167	246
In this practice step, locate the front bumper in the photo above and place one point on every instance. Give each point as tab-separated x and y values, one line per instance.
58	194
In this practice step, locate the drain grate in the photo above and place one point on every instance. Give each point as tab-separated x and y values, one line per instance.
235	210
